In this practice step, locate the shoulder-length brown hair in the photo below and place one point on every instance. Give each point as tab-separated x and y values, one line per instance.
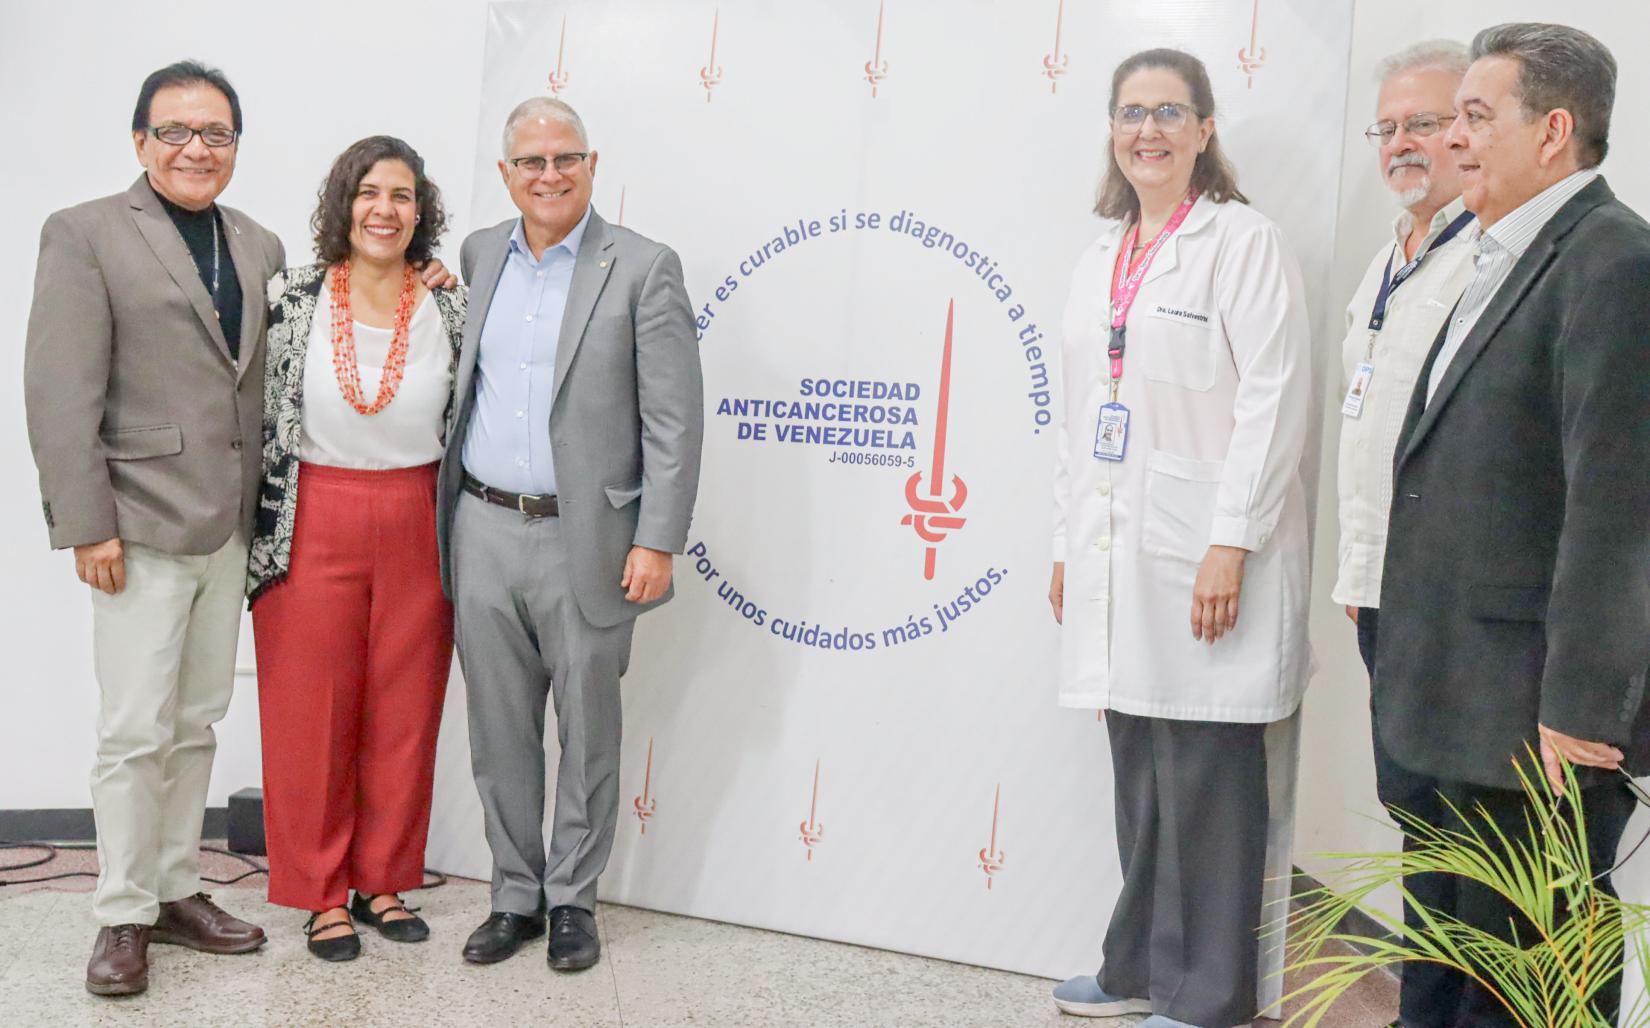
336	200
1212	175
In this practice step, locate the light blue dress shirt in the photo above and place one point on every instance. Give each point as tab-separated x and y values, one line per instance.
508	441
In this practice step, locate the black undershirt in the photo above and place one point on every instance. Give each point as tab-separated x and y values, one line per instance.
197	228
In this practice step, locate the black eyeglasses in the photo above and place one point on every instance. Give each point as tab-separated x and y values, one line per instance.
173	134
534	164
1169	116
1381	133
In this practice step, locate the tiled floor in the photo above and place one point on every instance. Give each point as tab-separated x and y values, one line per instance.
657	970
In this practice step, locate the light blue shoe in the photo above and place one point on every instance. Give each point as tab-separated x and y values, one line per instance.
1083	997
1159	1021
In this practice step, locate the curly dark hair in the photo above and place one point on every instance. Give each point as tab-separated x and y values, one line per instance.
336	200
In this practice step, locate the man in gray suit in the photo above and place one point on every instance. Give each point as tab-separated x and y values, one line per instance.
143	381
568	483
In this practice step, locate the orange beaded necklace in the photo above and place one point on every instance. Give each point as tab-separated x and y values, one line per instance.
345	365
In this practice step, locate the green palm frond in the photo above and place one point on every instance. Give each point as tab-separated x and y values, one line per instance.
1573	944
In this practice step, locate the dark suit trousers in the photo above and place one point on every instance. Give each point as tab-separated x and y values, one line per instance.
1607	809
1428	995
1433	997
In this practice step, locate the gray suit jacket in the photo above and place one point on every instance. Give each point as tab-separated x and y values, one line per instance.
627	410
141	425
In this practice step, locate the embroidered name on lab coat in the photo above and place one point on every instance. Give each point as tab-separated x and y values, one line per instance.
1181	314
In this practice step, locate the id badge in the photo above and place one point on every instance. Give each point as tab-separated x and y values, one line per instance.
1111	434
1353	405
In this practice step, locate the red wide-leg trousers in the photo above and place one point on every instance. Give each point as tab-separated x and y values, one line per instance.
353	651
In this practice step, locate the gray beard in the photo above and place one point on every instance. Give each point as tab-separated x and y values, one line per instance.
1415	194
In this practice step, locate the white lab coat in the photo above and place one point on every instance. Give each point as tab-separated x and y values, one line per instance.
1217	380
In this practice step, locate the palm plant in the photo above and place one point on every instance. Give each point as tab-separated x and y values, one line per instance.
1579	935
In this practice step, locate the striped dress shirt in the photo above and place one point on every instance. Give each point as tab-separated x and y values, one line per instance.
1495	251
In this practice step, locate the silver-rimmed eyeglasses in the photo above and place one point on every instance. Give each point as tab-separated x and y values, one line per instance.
1168	116
534	164
1419	125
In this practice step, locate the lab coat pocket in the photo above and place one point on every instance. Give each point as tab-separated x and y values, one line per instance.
1180	505
1180	348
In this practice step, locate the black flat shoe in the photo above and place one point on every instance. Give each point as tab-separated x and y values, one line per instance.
501	935
573	942
336	949
402	929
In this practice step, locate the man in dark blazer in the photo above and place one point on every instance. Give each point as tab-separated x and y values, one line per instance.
567	486
143	380
1515	607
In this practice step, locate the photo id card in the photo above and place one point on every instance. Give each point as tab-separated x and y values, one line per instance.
1111	434
1353	405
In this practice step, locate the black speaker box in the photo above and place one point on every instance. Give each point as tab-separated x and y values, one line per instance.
246	822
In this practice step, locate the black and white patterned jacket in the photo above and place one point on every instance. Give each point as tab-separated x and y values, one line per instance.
293	297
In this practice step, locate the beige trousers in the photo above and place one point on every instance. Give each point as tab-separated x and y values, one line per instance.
164	649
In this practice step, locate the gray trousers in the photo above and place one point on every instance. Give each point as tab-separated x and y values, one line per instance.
521	641
1191	829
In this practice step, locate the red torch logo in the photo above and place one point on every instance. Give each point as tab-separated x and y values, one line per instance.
876	69
645	804
812	830
1251	60
710	76
933	515
558	78
991	858
1054	62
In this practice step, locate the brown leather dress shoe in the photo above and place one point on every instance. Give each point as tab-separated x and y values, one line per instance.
195	921
120	961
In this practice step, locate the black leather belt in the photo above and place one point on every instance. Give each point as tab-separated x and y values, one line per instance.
525	503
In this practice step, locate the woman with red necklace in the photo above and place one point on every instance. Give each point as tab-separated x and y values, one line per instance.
353	634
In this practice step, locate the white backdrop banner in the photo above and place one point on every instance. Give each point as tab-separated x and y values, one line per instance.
845	724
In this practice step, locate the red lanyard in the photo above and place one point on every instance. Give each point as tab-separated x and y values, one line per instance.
1125	285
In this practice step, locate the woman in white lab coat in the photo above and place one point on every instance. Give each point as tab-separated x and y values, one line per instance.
1180	545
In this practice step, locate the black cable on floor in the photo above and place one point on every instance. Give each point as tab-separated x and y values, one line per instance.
257	868
51	854
52	850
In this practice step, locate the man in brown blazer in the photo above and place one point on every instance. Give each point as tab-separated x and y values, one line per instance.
143	379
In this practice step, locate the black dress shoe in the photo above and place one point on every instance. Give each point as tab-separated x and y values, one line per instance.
573	942
336	949
402	929
501	935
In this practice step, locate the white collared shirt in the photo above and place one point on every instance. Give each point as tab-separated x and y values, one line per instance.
1414	315
1496	250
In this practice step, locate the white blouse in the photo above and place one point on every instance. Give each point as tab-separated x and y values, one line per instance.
408	432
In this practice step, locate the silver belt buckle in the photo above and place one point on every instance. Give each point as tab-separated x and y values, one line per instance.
521	503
